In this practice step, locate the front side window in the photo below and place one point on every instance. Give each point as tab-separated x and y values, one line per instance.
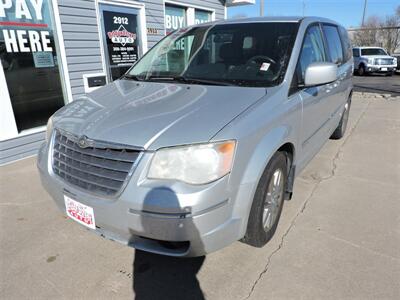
346	44
356	53
373	51
312	51
334	44
254	54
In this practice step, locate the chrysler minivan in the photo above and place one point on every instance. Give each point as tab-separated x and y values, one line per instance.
199	143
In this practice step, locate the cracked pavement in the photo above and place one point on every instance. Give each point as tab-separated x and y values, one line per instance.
338	238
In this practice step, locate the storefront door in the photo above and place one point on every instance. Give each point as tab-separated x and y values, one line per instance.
30	63
121	38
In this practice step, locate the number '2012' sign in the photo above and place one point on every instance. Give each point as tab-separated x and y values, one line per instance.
120	20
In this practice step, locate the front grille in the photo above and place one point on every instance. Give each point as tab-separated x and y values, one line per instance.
383	61
100	170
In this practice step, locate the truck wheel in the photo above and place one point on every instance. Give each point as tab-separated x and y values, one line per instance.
361	70
341	129
267	203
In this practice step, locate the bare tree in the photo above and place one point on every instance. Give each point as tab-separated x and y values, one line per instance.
382	32
367	36
391	32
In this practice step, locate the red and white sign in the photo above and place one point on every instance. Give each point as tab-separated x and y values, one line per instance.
122	36
79	212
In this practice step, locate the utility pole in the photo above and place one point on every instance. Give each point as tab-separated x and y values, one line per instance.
304	7
262	8
363	16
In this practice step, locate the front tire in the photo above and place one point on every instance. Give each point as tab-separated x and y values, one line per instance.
268	202
341	129
361	70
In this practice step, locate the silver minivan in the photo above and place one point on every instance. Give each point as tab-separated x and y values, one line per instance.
199	143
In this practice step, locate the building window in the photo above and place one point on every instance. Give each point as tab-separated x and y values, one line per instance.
30	62
175	17
202	16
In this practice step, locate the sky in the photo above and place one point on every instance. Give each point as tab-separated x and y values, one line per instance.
346	12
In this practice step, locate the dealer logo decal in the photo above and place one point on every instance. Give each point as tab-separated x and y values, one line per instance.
122	36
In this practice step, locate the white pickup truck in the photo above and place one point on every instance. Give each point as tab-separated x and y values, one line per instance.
373	60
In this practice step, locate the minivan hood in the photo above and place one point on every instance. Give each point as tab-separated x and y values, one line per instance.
153	114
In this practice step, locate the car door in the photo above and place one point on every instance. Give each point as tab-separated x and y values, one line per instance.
339	88
316	112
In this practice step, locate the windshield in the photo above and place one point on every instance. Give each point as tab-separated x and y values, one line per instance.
373	51
253	54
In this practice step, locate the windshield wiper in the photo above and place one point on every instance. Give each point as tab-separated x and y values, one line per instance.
183	79
130	77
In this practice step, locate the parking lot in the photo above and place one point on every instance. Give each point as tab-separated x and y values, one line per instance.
339	237
378	83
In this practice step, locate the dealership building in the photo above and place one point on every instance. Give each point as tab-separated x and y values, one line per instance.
54	51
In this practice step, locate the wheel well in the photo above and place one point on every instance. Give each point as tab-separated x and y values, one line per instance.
289	151
288	148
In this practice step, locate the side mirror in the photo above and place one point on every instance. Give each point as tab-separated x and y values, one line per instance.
320	73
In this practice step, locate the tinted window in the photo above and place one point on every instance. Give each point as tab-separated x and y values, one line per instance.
312	51
373	51
356	52
334	44
346	44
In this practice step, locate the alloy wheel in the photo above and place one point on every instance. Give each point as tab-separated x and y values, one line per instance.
273	200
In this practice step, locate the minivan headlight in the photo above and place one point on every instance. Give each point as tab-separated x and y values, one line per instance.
194	164
49	129
370	61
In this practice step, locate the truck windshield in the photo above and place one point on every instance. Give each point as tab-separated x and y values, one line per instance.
373	51
251	54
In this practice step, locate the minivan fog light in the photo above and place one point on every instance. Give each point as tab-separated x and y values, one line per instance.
194	164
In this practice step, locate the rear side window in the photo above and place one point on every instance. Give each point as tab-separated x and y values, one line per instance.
356	53
346	44
311	51
334	44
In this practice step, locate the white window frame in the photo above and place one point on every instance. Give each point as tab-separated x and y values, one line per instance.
8	125
190	11
141	7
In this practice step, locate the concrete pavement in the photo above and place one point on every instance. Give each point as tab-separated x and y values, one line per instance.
339	237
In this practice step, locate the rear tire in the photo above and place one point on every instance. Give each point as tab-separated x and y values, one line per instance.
341	129
269	198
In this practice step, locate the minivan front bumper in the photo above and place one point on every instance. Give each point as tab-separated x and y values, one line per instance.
169	218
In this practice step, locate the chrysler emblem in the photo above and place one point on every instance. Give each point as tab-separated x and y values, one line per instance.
83	141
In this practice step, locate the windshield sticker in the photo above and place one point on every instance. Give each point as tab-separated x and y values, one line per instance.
265	66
